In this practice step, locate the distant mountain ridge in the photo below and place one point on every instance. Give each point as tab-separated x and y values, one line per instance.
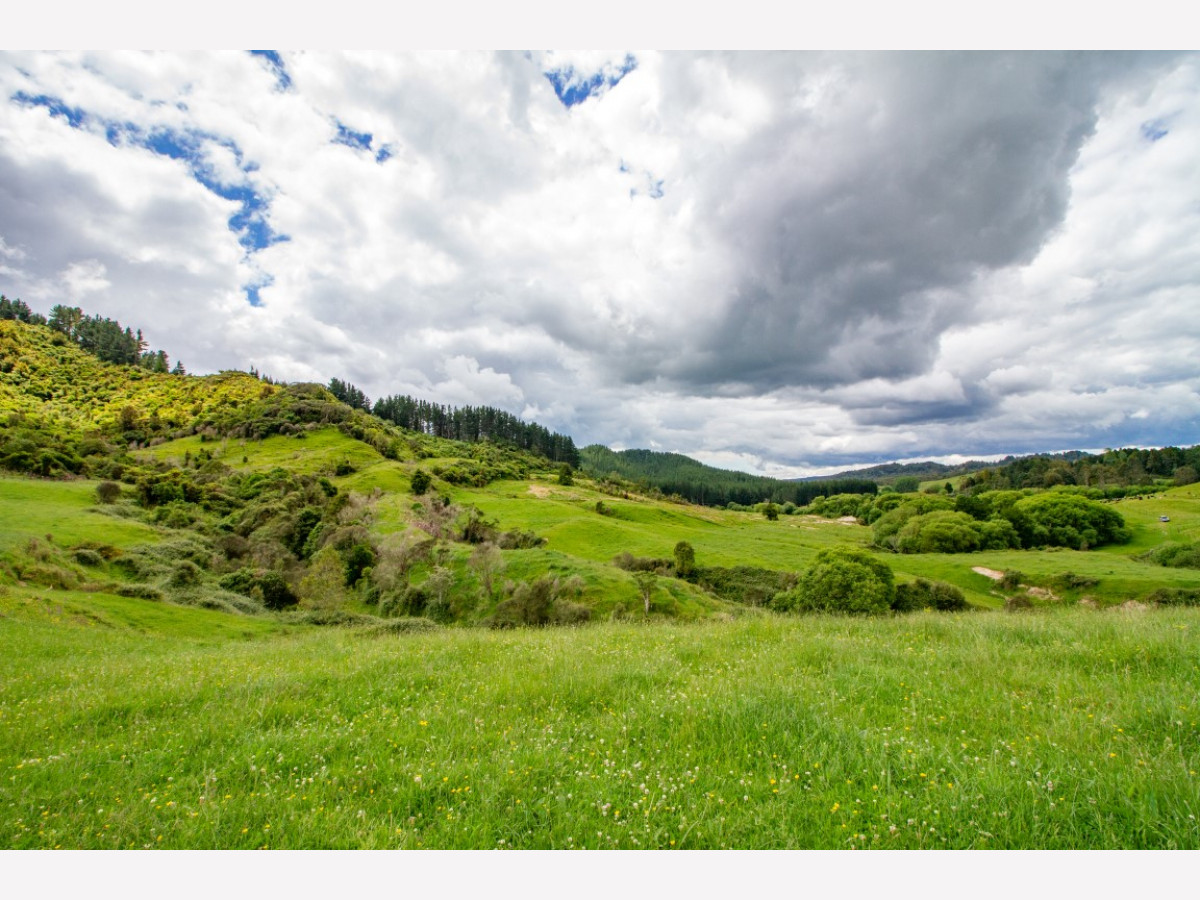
928	470
676	474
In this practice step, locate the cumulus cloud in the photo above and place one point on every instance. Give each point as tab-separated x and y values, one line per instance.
787	261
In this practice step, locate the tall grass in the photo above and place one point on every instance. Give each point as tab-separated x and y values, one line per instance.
1050	729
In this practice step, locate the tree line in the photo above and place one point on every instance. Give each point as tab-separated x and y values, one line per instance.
1123	468
104	338
470	424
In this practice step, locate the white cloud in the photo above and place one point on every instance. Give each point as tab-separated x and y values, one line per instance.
786	261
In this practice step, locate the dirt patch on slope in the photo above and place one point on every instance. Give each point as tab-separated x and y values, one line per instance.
990	573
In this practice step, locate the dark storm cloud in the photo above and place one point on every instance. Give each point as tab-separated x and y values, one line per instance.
855	217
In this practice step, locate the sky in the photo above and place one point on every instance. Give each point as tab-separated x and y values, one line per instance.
781	262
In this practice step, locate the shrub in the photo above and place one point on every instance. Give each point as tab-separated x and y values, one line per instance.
275	591
185	573
940	531
358	558
530	603
745	584
685	559
86	557
1066	520
1067	581
630	563
947	598
420	482
477	529
1176	556
519	540
842	580
240	582
1010	580
923	594
1175	597
108	492
140	591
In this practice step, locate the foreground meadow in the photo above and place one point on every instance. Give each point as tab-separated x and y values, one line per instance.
1057	728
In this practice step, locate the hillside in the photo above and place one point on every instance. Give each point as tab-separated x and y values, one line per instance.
673	474
245	615
228	492
928	470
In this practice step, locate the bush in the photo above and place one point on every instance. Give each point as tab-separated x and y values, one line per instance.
1066	520
842	580
140	591
519	540
1067	581
537	603
86	557
1010	580
420	482
275	591
940	531
630	563
947	598
1175	556
922	594
185	573
108	492
745	584
358	558
240	582
685	559
1175	597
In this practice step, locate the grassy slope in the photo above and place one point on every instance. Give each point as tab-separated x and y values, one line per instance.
66	510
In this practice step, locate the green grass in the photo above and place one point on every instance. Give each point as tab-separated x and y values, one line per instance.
66	510
1053	729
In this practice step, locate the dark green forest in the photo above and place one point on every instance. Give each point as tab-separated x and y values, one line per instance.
471	424
674	474
1112	469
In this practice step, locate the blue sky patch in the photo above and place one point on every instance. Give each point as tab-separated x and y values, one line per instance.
359	140
283	80
1155	130
252	290
73	114
249	223
573	88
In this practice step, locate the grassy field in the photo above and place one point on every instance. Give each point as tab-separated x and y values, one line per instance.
66	510
130	723
1064	728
